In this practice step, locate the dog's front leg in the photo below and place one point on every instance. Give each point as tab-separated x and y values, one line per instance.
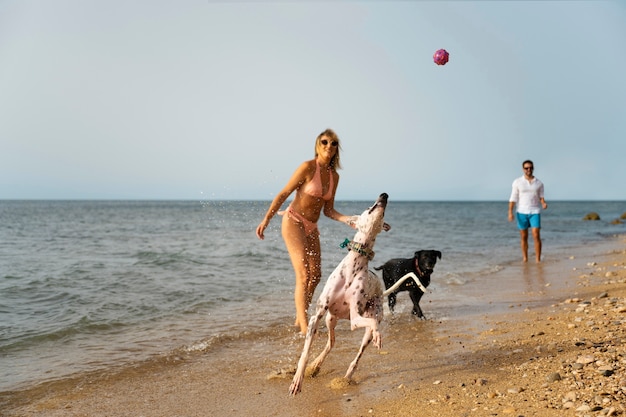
357	320
416	296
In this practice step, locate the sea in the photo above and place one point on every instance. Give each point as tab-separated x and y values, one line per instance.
92	285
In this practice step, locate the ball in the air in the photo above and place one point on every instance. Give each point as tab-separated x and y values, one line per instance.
441	57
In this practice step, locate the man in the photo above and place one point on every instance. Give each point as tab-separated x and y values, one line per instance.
527	193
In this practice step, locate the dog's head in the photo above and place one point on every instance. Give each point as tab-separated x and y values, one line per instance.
370	223
427	259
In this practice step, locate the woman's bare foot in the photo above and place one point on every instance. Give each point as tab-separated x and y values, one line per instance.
303	329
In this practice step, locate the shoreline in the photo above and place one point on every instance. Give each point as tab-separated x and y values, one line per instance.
487	363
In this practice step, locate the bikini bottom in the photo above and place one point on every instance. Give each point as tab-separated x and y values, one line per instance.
309	226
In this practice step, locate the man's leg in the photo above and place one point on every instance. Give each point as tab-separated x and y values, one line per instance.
537	239
524	244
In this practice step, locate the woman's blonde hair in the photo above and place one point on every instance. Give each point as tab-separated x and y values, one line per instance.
335	162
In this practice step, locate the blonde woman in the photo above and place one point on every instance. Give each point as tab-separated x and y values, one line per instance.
315	183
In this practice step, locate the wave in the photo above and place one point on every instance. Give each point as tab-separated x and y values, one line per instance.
84	326
166	258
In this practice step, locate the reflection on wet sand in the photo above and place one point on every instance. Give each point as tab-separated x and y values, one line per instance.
534	278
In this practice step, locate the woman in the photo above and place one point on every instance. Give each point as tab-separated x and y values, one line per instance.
315	183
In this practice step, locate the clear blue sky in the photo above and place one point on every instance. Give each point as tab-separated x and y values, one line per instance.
223	100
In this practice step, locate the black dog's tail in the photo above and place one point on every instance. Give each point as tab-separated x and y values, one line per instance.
378	268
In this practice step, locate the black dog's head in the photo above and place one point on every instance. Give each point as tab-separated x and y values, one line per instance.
426	260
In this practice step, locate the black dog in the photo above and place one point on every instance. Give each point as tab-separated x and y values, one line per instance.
422	265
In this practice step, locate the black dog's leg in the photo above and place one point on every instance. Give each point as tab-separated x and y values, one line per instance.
416	296
391	299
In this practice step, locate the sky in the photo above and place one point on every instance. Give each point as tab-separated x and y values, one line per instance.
222	100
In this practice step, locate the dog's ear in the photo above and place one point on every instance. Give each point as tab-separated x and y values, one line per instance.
438	253
417	253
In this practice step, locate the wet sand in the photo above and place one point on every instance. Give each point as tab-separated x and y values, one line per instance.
501	360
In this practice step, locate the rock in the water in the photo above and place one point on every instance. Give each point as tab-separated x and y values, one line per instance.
592	216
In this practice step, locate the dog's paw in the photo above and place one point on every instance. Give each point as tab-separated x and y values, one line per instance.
312	371
377	340
295	387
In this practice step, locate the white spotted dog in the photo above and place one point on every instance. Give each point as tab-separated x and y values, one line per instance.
351	292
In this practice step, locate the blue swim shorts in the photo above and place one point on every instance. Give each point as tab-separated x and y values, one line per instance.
524	221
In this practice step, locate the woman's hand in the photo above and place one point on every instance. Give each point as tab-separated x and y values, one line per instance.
261	228
351	221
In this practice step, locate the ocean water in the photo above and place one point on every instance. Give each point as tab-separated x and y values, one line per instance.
89	285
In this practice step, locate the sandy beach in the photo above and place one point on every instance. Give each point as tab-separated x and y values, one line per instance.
559	349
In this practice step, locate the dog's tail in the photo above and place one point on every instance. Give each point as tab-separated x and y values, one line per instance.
378	268
401	280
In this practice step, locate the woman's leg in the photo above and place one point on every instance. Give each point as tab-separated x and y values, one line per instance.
313	264
296	242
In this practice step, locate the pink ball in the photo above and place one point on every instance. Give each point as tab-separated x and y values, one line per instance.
441	57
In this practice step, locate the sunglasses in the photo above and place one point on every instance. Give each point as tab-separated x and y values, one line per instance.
325	142
529	168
